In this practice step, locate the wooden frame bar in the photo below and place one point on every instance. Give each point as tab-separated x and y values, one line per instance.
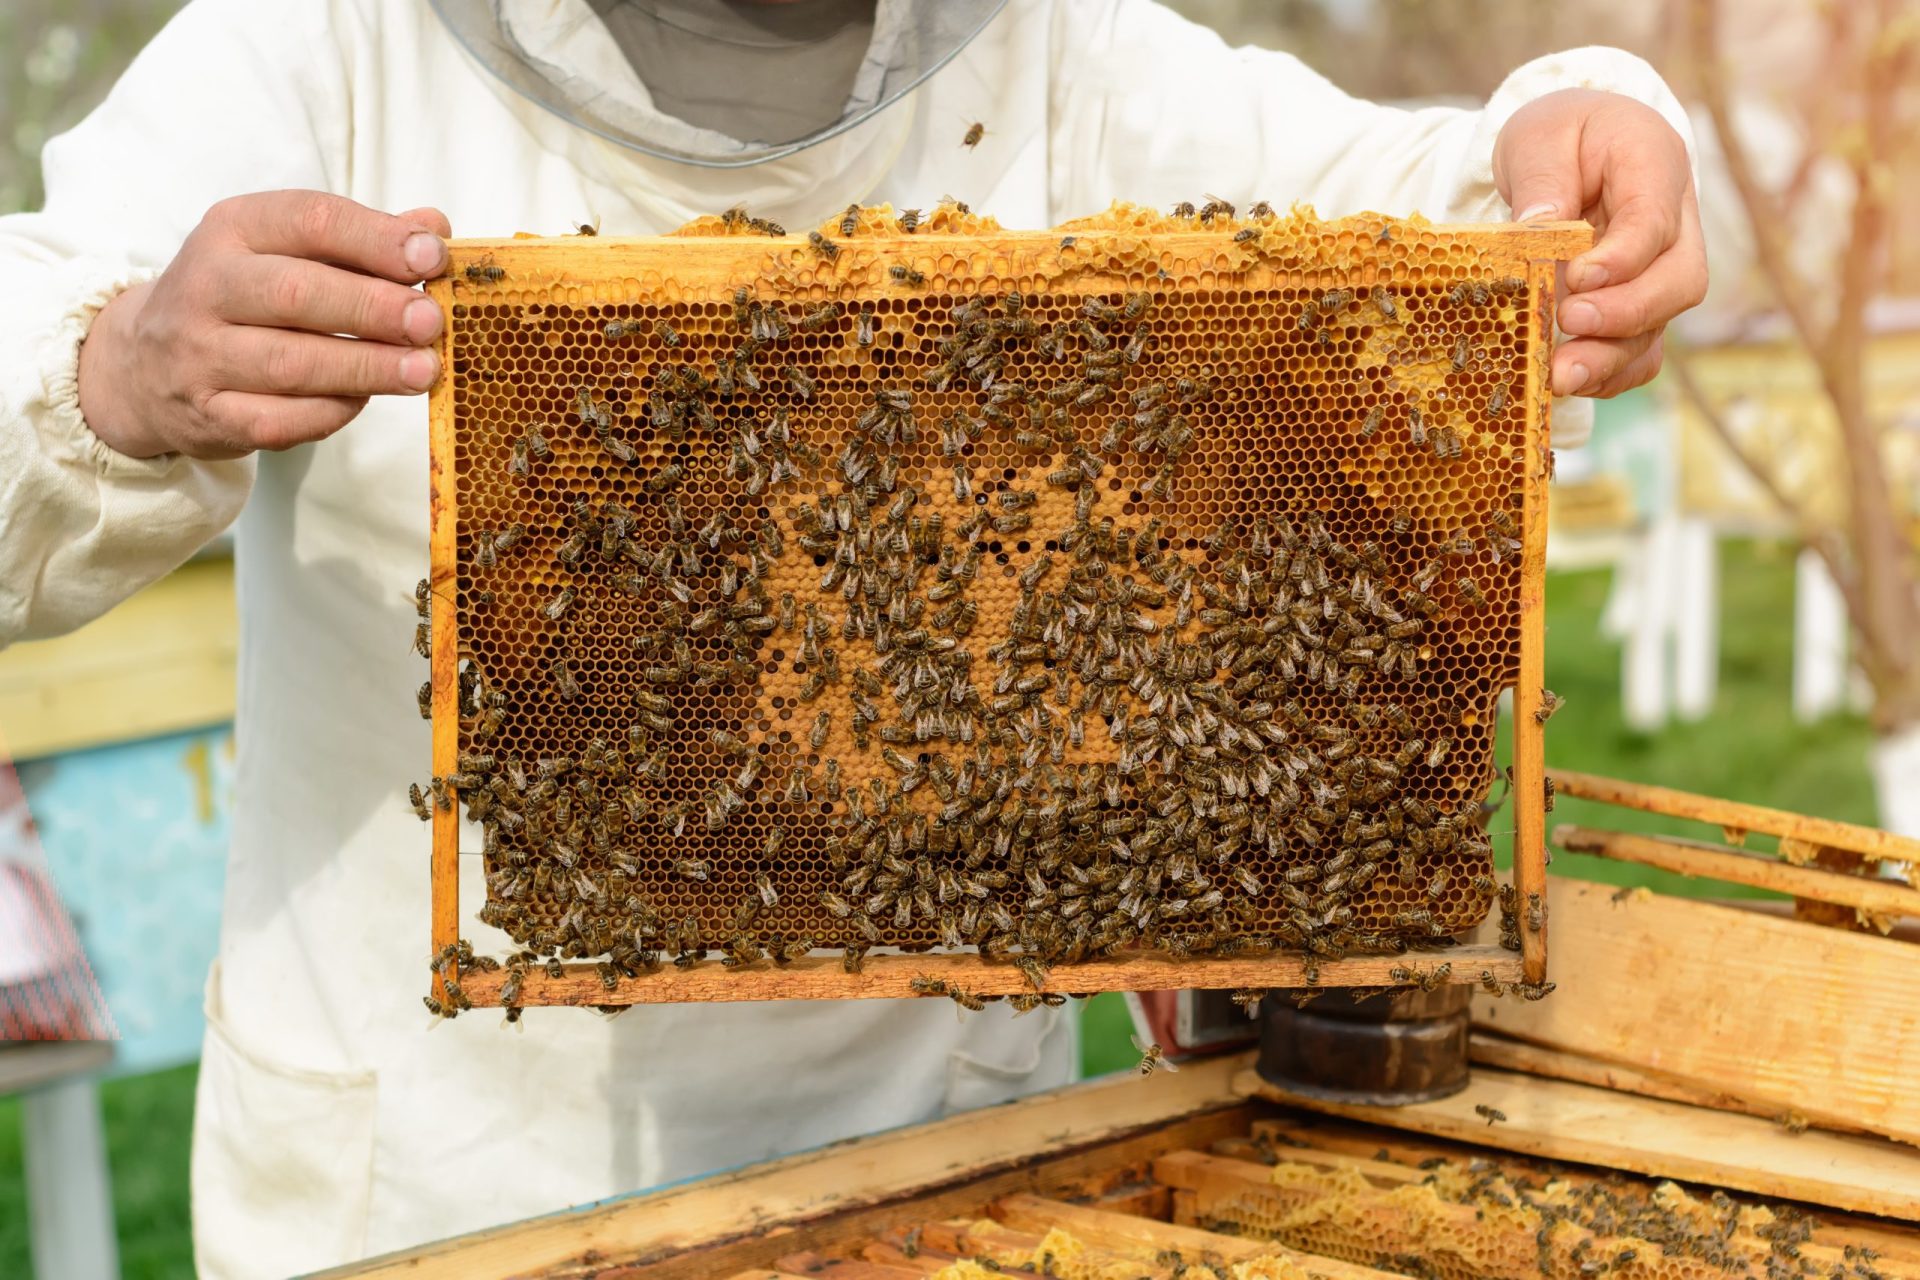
883	977
1529	729
443	529
1866	893
593	269
1735	816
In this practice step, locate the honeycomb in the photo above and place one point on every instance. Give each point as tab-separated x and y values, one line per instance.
1475	1220
1149	582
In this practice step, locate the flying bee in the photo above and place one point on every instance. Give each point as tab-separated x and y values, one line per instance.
904	274
823	246
1490	1114
484	271
975	132
1152	1058
1550	702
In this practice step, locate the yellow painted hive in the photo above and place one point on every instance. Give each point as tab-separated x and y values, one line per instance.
1146	586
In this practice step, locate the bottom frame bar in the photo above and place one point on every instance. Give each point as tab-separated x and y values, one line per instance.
821	977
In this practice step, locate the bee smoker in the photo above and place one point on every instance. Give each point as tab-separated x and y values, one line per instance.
1393	1049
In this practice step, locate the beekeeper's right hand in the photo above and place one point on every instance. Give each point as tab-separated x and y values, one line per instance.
283	312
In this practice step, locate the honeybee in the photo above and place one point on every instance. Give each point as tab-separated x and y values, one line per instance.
924	985
1470	592
1416	427
1249	998
821	316
975	132
485	270
1372	424
763	885
1383	301
557	608
904	274
863	328
1462	348
1490	1114
692	868
1497	401
1550	702
418	799
822	726
908	220
564	683
850	220
423	640
1152	1058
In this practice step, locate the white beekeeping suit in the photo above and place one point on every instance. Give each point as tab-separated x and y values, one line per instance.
329	1124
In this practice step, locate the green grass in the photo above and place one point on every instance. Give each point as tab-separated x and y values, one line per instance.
1750	749
148	1121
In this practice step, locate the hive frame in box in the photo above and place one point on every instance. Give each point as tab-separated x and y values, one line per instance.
715	263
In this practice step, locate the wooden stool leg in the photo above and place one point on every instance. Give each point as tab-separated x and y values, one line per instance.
69	1195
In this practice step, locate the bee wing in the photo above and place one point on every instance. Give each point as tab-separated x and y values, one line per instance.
1167	1064
1141	1045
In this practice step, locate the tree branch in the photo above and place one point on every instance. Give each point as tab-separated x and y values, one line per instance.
1763	219
1823	541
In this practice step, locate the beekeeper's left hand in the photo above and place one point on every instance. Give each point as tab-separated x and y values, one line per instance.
1580	153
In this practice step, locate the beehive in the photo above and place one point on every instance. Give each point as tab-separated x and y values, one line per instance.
1136	594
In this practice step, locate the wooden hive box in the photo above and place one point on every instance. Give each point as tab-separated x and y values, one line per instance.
1181	1176
1136	594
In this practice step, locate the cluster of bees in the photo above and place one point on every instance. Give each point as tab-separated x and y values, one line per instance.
1601	1227
1139	729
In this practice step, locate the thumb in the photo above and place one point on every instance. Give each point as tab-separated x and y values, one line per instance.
1536	166
428	219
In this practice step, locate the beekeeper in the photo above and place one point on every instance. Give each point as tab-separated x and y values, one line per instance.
217	305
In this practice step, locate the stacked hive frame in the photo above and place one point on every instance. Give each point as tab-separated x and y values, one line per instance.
1035	489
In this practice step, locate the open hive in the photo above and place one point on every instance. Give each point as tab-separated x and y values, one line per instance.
1136	595
1128	1178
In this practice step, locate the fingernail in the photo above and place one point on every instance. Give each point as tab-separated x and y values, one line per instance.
1544	209
420	322
1589	275
424	253
1574	382
418	369
1580	316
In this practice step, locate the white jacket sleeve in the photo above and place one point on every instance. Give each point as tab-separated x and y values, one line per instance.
233	96
1152	108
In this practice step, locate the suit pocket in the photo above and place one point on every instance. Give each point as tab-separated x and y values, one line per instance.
1008	1057
282	1158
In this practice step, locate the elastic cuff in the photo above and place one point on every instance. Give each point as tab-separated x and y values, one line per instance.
65	429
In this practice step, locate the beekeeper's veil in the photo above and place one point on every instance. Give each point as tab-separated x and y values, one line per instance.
720	83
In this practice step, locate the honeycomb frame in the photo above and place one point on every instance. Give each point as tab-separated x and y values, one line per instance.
562	293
